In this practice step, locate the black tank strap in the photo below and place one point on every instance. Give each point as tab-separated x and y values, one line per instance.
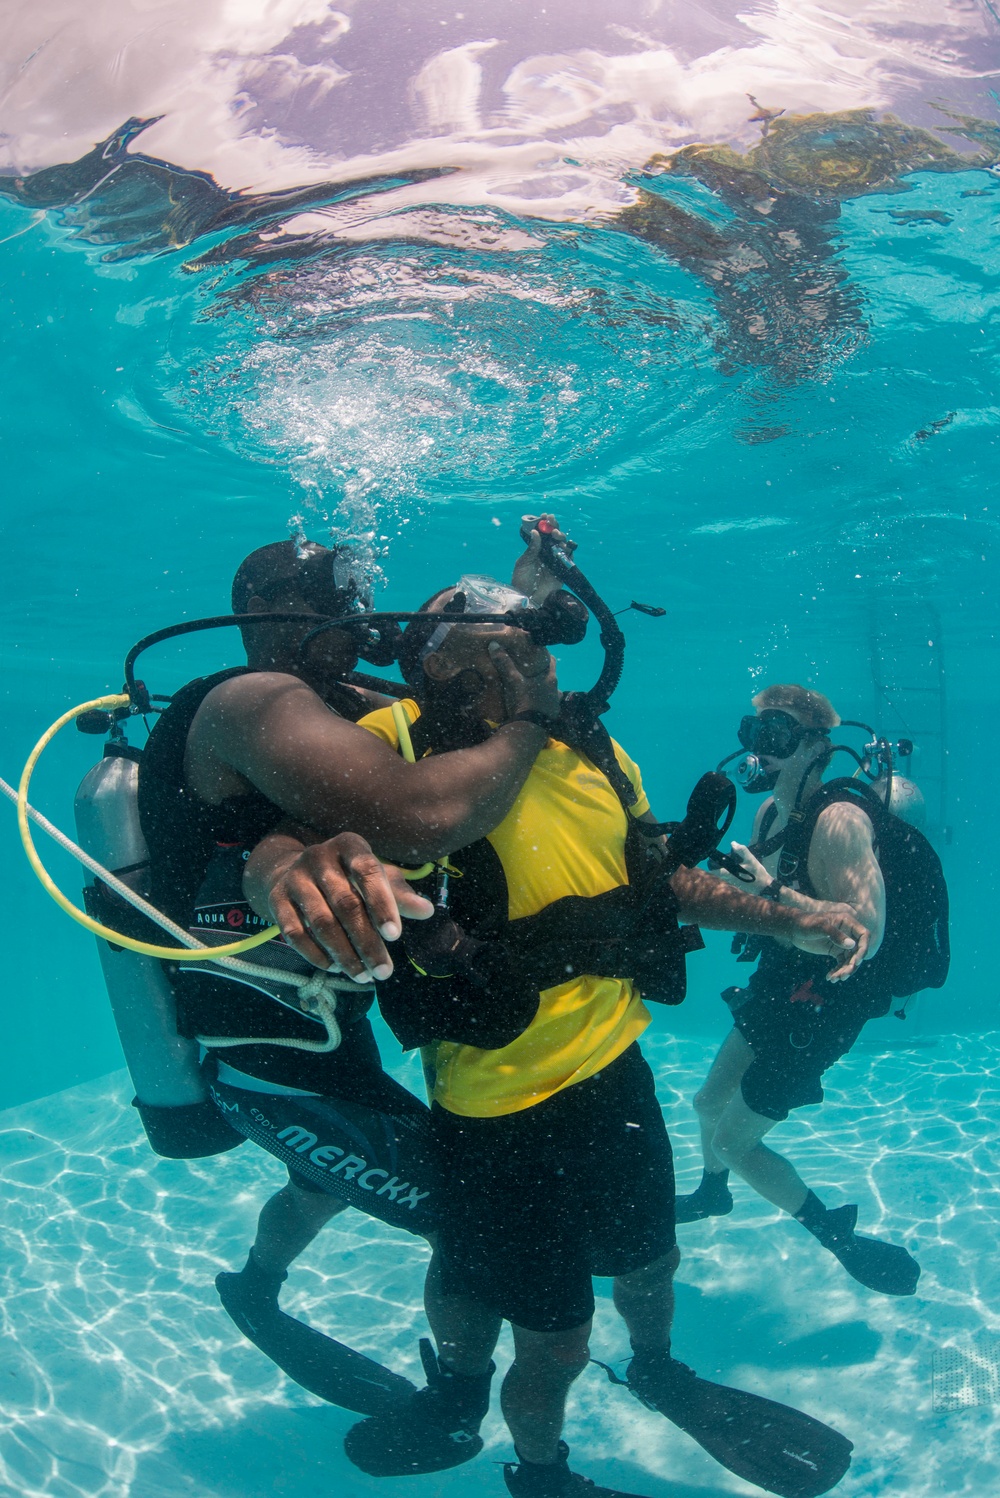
578	729
763	848
798	834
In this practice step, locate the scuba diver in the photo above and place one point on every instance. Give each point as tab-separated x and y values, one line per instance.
812	843
231	757
525	992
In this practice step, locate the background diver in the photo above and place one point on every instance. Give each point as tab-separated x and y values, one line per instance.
552	1144
791	1023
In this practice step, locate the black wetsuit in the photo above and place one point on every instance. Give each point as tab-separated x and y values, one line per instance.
796	1022
357	1134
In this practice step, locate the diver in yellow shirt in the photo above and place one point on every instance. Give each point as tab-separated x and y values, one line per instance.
524	992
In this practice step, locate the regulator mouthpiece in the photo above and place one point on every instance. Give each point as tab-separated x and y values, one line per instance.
751	774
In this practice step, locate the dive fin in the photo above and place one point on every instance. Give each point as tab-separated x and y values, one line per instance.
710	1198
324	1367
780	1449
881	1266
525	1480
435	1429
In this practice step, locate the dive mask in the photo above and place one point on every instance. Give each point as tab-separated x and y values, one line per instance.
474	594
334	584
772	734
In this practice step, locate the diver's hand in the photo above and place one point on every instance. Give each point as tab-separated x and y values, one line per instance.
335	903
761	878
531	576
838	934
537	693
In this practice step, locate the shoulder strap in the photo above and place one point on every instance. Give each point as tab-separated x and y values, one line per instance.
799	832
761	847
579	729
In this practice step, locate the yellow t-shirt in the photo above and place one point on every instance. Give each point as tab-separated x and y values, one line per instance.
564	835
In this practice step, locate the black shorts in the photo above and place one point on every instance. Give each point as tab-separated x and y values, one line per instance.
795	1041
542	1200
370	1145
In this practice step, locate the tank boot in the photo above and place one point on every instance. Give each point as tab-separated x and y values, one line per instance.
885	1267
531	1480
251	1296
435	1428
711	1198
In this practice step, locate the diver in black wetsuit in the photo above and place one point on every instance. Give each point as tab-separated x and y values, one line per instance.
233	756
792	1022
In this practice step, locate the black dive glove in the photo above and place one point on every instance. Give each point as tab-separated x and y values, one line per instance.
438	948
455	987
567	618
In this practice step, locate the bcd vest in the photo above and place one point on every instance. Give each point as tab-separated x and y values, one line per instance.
486	992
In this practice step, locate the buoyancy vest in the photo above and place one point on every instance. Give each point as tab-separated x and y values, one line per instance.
915	952
915	949
570	927
197	856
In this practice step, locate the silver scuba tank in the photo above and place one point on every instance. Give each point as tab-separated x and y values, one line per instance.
171	1097
906	800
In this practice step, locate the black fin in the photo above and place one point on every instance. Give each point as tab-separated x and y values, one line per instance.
780	1449
436	1428
885	1267
710	1198
526	1480
400	1448
324	1367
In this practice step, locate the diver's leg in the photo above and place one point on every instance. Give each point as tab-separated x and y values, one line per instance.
645	1301
465	1329
533	1397
719	1087
712	1197
737	1143
885	1267
437	1426
288	1223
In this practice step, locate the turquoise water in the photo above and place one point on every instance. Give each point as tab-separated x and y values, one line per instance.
764	399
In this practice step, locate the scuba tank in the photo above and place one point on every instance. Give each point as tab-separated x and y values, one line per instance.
180	1121
906	799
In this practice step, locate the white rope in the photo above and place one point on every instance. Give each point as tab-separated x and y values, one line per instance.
316	998
317	991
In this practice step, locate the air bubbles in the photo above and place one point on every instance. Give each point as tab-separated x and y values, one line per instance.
387	379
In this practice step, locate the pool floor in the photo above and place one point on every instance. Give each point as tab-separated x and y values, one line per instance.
121	1375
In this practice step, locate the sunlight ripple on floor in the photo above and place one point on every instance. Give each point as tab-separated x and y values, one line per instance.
120	1376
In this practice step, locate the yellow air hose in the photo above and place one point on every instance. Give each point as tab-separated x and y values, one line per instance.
144	948
402	726
428	1053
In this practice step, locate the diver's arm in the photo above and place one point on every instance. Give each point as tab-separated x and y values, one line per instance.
707	901
843	867
271	730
